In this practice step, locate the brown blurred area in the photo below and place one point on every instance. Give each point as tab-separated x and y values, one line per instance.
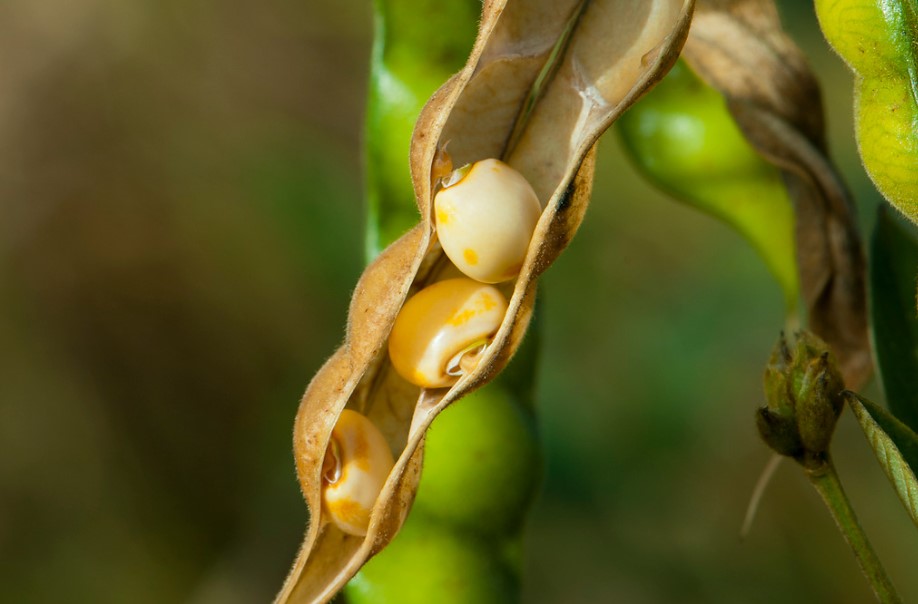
168	175
180	229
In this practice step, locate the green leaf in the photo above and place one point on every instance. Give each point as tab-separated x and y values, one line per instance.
879	41
896	448
893	267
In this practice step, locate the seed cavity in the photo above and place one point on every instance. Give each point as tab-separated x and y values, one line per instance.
466	360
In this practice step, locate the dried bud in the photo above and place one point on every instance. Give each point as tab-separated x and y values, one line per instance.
803	390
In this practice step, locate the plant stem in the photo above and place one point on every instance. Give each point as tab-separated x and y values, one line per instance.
825	480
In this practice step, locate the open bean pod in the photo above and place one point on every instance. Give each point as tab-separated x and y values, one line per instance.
544	80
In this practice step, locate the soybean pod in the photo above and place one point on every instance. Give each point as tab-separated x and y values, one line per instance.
460	527
586	59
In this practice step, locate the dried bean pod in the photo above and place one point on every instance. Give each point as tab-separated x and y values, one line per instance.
607	53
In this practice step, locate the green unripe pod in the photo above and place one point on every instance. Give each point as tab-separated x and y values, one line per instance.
417	45
429	562
682	137
481	464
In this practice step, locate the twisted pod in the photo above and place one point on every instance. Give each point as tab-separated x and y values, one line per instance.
544	80
746	87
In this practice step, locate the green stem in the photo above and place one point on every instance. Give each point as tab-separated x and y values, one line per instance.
825	480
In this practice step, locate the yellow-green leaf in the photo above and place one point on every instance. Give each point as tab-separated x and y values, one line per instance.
879	41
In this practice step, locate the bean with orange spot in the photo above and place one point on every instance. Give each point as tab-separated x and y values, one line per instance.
485	215
442	330
357	463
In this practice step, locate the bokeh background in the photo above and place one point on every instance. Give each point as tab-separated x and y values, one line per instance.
180	228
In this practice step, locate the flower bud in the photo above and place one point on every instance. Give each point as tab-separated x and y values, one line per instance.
803	390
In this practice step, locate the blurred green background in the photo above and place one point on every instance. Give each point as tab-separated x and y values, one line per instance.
180	228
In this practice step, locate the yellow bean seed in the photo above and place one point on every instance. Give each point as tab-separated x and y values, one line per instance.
485	220
442	330
357	463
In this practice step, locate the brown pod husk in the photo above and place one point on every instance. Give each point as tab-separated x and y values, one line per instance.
607	53
739	48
